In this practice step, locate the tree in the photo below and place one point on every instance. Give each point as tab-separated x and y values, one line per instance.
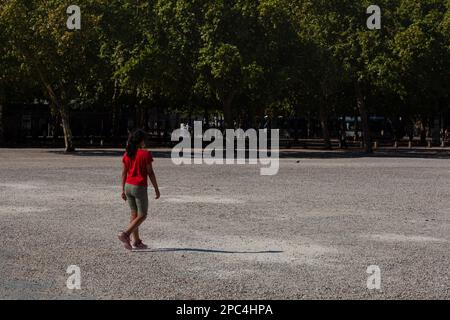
3	77
14	85
319	25
242	58
63	61
420	57
357	49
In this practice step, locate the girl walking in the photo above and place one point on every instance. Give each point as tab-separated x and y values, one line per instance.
137	166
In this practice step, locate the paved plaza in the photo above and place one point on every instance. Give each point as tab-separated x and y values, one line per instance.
225	231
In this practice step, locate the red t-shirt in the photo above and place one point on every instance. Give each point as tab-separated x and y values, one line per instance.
137	167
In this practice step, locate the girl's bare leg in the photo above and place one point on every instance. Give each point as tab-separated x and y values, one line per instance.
134	224
135	233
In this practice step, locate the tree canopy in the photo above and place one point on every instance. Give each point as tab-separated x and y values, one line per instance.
240	58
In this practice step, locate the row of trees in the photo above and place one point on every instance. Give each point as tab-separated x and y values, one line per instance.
244	58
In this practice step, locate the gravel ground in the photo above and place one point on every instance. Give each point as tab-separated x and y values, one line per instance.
226	232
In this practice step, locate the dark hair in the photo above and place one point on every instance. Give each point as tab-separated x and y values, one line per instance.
134	140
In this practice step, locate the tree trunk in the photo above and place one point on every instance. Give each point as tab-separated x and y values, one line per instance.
423	131
2	124
57	102
146	118
114	123
56	123
228	112
324	124
342	133
206	118
140	115
367	141
67	131
115	115
2	133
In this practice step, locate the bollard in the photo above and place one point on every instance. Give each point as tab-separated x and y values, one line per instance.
409	144
395	145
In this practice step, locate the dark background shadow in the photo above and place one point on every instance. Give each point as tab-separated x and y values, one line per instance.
294	154
108	153
419	154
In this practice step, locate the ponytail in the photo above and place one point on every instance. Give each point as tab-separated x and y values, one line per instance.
134	140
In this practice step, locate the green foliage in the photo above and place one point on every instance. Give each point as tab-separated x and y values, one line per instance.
233	56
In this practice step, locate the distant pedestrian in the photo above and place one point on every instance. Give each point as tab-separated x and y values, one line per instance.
137	166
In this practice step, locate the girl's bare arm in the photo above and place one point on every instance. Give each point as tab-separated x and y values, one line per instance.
124	179
151	175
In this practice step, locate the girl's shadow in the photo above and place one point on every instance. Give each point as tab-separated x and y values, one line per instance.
203	250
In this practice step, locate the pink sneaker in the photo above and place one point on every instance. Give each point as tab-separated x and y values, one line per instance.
139	245
126	240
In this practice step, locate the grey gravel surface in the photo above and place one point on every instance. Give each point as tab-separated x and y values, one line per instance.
224	231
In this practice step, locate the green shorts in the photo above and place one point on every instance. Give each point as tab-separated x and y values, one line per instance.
137	198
